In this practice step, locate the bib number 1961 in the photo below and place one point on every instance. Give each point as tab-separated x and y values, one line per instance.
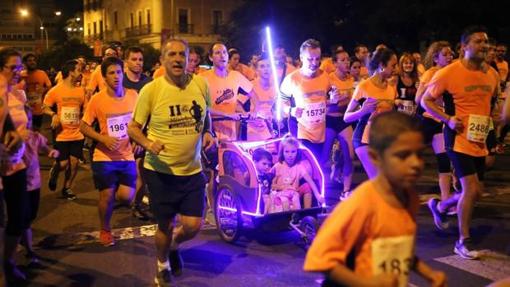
117	126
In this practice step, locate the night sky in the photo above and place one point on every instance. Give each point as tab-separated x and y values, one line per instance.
70	7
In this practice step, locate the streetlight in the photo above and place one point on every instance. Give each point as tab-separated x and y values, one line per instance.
24	13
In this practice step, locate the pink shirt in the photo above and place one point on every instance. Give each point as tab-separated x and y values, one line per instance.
35	143
286	176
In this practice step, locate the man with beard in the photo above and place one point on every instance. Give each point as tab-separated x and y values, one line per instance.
37	84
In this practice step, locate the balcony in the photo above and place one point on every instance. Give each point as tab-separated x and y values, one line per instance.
185	28
139	31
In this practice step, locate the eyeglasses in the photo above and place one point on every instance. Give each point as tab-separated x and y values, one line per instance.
14	68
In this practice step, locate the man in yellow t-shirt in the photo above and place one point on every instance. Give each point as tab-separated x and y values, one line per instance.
179	127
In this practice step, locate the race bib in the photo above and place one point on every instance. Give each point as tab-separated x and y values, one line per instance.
393	255
478	128
117	126
407	107
314	113
70	115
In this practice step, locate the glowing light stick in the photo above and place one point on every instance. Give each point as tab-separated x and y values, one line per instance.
269	42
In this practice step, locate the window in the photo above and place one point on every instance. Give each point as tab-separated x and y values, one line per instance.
88	29
101	29
183	21
140	18
217	20
132	20
115	18
148	17
95	28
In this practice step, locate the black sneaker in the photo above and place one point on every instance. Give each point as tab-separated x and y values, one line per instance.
440	219
139	213
68	194
465	249
176	262
52	181
163	278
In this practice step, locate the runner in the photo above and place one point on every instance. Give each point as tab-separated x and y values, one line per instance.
227	89
135	79
361	52
13	171
501	63
336	128
407	84
262	102
355	70
369	239
113	163
466	88
420	68
378	96
97	82
70	101
234	64
305	93
172	165
439	55
37	84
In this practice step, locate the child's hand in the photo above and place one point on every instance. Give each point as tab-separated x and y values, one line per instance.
53	153
437	278
384	280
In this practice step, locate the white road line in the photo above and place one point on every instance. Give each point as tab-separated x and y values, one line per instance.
492	265
75	239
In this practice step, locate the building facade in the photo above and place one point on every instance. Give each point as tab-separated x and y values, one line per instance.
152	21
23	32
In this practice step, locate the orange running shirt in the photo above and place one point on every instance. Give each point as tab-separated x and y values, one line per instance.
327	65
224	93
36	84
96	80
385	102
263	101
361	224
113	116
345	89
467	95
70	105
311	95
159	72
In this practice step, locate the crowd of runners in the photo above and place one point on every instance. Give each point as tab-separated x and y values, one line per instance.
144	135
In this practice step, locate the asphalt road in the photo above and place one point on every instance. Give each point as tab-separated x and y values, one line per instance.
65	235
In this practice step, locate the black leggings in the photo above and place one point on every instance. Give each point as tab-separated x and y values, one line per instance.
16	201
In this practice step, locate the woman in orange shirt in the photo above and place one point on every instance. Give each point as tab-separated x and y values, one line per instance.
378	96
438	56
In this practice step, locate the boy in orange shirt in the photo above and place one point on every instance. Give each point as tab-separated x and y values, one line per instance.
383	249
113	162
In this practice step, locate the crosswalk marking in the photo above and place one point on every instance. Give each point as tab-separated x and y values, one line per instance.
492	265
